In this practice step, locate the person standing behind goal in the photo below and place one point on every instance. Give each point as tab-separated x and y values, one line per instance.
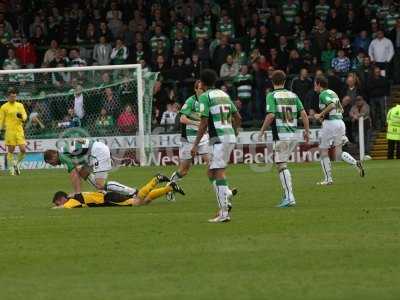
283	110
222	119
12	118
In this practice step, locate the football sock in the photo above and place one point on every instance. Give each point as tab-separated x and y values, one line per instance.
176	176
145	190
346	157
113	186
20	157
222	192
286	181
326	168
154	194
10	161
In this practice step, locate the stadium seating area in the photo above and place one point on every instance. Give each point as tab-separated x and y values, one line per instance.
357	47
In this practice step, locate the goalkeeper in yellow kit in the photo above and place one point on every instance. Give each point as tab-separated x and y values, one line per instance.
12	118
145	195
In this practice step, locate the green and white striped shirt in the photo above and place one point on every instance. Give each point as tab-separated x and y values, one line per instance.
327	97
244	87
322	11
226	29
289	12
286	106
201	32
217	106
191	109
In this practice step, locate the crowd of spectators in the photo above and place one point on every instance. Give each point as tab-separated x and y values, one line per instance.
355	43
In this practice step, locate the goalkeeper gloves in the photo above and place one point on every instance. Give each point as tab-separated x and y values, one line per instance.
19	115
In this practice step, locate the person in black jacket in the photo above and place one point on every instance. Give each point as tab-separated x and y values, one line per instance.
378	89
302	84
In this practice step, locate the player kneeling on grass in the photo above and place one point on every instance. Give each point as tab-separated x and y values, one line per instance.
333	131
145	195
283	110
190	120
90	161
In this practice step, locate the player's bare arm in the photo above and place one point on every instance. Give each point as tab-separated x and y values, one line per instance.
185	120
267	123
306	125
201	131
326	111
236	122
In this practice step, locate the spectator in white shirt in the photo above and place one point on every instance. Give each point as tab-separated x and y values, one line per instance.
78	103
381	51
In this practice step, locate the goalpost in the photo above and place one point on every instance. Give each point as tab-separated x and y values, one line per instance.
95	101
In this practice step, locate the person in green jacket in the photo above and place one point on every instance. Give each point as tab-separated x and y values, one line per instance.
327	56
393	131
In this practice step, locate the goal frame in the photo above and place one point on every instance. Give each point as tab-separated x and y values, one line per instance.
140	92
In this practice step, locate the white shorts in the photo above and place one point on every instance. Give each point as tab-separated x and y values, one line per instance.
283	150
100	160
332	133
186	147
219	155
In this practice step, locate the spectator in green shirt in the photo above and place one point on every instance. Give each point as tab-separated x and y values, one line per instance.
104	122
327	56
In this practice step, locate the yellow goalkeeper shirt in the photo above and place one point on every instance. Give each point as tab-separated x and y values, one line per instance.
8	116
92	199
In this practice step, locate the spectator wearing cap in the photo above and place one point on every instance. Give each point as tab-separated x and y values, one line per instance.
102	52
381	51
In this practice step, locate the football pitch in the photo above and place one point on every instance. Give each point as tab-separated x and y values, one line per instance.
340	242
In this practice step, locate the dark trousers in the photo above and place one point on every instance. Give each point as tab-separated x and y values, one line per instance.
378	111
391	145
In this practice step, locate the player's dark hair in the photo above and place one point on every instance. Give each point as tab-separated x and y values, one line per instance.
11	90
58	195
322	81
278	77
49	154
208	77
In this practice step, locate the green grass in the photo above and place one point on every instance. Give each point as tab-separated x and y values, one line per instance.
340	242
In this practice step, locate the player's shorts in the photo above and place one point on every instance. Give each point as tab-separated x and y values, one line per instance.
332	133
219	155
283	150
100	160
13	138
186	147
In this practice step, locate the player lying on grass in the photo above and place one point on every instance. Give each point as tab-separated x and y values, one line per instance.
88	160
333	131
190	120
145	195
